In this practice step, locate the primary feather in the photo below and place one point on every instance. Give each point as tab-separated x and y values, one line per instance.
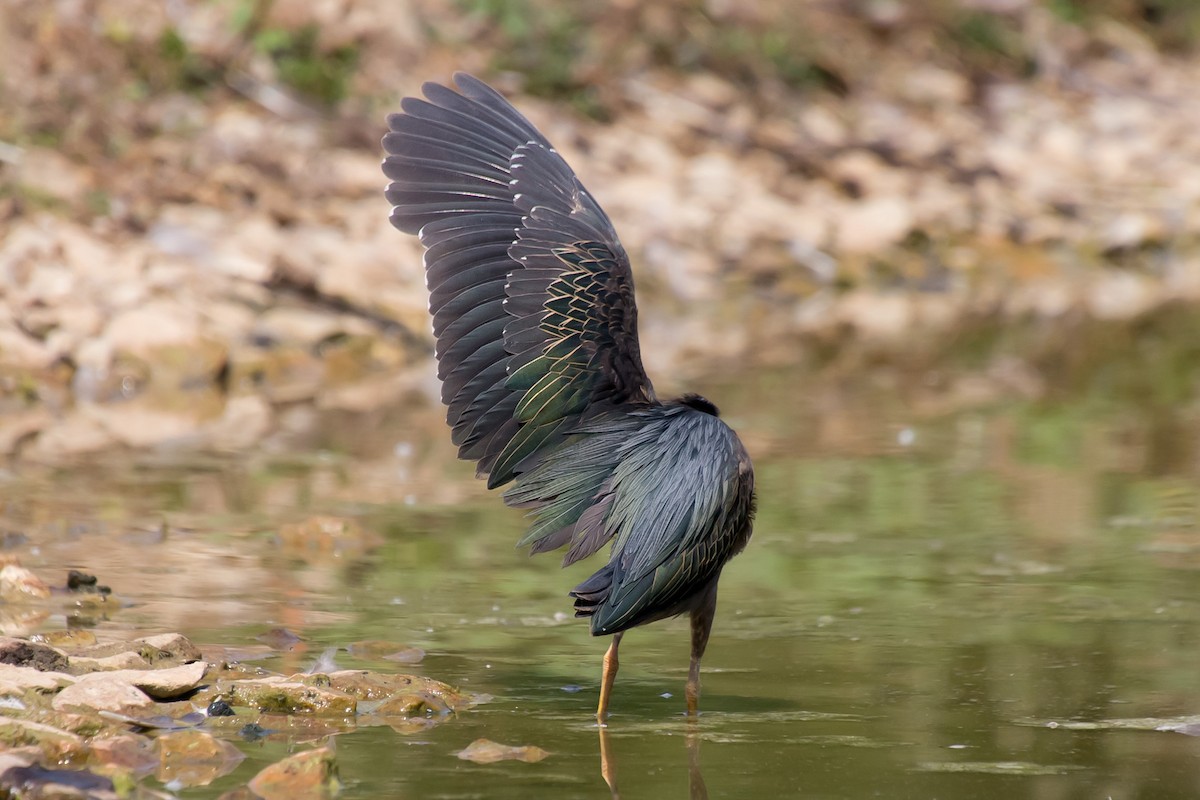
534	317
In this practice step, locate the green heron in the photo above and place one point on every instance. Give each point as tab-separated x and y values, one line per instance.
536	329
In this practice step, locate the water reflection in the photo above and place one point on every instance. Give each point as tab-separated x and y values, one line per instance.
697	789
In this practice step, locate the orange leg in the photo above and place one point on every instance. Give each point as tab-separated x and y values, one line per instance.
610	674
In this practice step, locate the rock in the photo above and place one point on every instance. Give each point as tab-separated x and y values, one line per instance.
485	751
406	655
415	693
128	660
68	639
22	653
102	695
140	424
1131	230
325	535
175	645
37	782
145	651
935	86
19	426
76	435
298	326
195	758
872	225
142	330
55	745
162	684
19	585
366	395
123	753
20	351
17	680
299	694
1121	295
309	774
50	173
279	639
245	421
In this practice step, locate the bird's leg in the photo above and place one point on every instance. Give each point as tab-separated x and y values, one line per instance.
610	675
702	620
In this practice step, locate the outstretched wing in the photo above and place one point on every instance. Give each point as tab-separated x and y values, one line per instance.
530	290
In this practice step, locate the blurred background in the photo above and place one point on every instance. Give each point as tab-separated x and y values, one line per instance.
996	197
938	263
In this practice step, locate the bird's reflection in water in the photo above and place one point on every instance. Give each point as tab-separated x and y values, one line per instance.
696	788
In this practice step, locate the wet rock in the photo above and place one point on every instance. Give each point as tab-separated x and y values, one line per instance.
367	685
158	683
20	585
485	751
123	753
68	640
99	694
310	774
174	645
389	651
277	694
22	653
219	708
385	698
27	780
195	758
406	655
160	722
324	535
55	745
279	639
82	582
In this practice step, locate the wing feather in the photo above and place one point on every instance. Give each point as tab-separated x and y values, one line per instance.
531	292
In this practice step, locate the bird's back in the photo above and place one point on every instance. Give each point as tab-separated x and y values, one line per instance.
671	486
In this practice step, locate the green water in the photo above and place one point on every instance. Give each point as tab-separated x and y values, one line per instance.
929	608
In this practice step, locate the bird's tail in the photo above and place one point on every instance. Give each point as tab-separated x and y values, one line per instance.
592	593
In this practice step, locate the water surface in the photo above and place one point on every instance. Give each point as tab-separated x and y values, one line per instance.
934	605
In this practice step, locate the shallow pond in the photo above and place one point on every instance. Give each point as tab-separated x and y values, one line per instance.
989	604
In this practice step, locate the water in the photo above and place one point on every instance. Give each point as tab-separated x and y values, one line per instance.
931	605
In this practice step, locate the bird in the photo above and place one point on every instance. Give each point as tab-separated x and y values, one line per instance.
535	327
